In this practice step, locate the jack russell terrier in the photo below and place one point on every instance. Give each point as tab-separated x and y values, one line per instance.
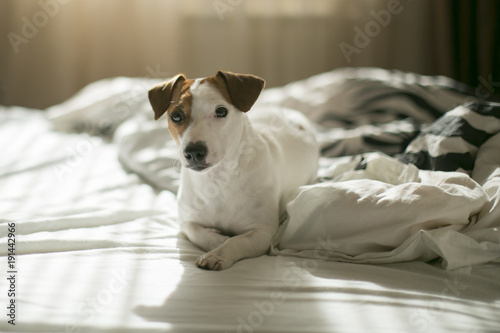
238	169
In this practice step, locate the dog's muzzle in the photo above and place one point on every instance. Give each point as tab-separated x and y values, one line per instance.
195	154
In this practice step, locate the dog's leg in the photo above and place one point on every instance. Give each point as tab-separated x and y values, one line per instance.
205	238
254	243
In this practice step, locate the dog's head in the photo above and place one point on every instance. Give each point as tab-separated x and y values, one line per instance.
205	116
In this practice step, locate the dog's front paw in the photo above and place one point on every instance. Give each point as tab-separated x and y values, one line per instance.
212	262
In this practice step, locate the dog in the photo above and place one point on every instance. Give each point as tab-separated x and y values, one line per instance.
238	168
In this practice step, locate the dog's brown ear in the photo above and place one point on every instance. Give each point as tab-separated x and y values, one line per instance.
160	96
243	89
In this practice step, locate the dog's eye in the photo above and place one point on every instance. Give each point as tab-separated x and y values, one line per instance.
177	117
221	112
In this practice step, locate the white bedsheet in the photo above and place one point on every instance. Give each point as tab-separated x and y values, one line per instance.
98	250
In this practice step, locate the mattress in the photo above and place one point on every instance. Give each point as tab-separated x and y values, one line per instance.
90	240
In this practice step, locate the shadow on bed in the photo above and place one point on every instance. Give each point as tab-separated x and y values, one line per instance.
260	294
281	294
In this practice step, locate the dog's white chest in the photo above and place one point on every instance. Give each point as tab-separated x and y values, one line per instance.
229	200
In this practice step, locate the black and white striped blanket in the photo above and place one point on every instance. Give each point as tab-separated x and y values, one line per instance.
370	109
451	142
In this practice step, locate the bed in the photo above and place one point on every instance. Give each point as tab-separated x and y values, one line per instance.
398	234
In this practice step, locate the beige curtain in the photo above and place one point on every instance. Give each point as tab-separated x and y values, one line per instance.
52	48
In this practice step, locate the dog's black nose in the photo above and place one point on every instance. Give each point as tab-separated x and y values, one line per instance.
195	153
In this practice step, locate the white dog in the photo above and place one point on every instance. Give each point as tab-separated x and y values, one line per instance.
238	169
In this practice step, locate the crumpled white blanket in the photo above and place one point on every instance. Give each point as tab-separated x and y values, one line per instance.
392	212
